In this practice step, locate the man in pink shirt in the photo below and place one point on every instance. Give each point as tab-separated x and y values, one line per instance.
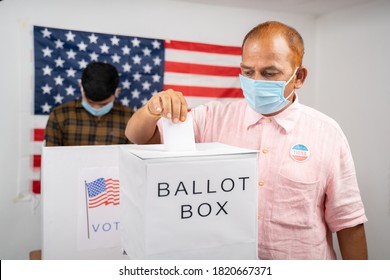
307	182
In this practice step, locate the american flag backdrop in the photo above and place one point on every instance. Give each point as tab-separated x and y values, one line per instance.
146	65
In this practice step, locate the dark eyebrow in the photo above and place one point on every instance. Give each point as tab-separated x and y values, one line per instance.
271	69
245	67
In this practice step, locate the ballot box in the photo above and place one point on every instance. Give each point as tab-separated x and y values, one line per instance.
199	204
80	203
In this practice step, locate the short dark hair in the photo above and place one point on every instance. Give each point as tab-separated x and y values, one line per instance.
99	81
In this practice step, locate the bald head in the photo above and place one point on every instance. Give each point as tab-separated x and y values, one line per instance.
272	29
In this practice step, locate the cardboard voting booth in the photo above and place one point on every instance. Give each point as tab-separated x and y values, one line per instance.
198	204
80	203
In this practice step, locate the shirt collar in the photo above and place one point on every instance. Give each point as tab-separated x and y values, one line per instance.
287	119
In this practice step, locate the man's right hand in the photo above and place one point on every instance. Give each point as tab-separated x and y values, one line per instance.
142	126
169	104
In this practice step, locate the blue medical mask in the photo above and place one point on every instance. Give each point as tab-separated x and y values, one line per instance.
97	112
265	97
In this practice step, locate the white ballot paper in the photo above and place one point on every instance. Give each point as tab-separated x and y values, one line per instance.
178	136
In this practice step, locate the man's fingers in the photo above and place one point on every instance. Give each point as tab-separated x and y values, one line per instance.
154	106
169	104
176	105
166	104
183	109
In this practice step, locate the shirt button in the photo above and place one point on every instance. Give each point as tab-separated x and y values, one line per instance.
265	150
261	183
268	120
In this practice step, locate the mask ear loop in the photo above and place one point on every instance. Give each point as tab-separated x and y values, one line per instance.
292	92
289	80
292	76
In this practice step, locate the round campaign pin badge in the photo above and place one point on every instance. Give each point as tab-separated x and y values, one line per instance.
299	152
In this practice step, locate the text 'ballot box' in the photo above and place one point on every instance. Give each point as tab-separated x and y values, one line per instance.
188	205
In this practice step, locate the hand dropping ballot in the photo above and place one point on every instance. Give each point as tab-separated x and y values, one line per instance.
178	136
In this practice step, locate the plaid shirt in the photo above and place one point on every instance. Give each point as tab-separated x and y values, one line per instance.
71	125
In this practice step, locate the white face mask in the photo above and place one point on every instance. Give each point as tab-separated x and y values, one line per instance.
265	97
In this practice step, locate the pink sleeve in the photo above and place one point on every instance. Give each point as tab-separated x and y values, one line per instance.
343	204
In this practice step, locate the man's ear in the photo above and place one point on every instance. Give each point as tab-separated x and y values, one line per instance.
300	77
117	91
81	87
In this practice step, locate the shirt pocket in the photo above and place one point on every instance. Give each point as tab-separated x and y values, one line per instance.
294	203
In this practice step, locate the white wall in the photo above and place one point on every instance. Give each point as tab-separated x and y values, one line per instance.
20	220
353	87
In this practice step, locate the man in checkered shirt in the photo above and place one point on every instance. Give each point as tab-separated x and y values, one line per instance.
94	119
